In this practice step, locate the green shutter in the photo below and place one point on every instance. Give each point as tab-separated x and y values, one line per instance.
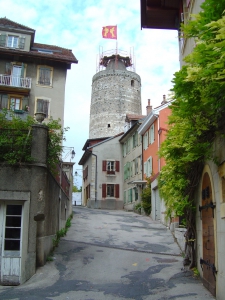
22	43
2	40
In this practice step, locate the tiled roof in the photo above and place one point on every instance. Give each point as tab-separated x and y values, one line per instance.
53	53
8	23
58	52
134	117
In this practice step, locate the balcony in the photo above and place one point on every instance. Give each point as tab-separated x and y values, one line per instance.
12	82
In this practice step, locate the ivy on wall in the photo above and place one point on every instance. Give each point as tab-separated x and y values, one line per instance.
197	114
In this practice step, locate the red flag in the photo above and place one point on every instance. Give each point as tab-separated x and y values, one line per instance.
109	32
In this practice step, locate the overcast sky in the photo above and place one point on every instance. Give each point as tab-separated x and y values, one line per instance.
77	25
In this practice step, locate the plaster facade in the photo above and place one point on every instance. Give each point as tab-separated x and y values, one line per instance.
102	175
39	208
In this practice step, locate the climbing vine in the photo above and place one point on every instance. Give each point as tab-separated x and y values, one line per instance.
197	114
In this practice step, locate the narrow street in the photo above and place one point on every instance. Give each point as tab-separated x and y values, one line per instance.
110	255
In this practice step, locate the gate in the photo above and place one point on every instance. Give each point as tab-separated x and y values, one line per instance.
207	216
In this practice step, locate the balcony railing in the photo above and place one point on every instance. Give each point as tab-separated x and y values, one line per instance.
9	80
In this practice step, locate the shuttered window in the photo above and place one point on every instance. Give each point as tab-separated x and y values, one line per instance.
43	106
44	76
2	40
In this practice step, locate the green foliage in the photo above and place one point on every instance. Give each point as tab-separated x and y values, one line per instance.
146	197
16	137
138	207
62	232
197	112
76	189
56	137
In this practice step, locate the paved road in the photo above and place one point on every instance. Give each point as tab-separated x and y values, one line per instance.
109	255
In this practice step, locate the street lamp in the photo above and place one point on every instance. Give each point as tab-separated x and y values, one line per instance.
69	151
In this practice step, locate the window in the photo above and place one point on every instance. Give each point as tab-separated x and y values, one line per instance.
132	82
152	134
130	195
12	41
110	166
110	190
145	141
13	227
44	76
43	105
15	103
3	101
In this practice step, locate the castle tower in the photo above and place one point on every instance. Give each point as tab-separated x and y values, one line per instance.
116	92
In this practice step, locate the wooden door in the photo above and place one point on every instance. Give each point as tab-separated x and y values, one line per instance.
11	245
207	215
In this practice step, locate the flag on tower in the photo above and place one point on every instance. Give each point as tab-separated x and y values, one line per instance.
109	32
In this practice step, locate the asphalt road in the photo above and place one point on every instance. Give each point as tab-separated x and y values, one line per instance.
109	255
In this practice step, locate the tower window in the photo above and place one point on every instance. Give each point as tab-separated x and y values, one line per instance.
132	82
108	125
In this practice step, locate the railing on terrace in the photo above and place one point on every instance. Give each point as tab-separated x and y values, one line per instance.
9	80
15	145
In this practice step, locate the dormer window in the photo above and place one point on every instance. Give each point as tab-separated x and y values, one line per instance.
12	41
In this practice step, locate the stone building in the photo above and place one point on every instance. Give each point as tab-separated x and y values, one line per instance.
116	91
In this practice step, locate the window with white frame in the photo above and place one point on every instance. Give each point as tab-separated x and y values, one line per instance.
145	140
15	103
110	165
152	134
43	105
110	190
13	223
12	41
44	75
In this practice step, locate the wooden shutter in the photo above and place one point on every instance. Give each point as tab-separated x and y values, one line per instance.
104	165
103	190
117	166
8	68
3	40
117	190
21	43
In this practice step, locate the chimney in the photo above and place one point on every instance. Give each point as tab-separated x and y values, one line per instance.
148	108
164	100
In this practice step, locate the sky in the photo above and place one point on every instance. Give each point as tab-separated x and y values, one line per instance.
77	25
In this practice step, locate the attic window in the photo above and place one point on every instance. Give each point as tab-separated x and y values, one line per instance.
45	51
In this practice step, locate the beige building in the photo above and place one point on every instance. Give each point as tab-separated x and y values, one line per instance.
32	75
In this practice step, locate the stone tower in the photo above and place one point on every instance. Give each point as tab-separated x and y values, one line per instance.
115	93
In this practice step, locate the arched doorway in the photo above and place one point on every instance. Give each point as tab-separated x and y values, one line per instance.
208	240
